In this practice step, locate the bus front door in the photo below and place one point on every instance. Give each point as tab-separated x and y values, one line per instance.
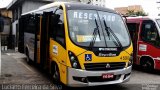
44	40
133	30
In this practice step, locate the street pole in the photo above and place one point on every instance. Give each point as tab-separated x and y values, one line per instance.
1	30
0	58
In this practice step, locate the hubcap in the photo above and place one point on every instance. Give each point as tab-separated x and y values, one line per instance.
147	65
56	74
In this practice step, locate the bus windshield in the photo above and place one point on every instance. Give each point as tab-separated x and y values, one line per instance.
82	25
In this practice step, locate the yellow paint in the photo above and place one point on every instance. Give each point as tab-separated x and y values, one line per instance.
95	59
61	57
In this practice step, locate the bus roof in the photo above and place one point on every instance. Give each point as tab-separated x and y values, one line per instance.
143	18
87	7
73	6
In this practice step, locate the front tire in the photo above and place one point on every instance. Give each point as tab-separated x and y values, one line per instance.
55	73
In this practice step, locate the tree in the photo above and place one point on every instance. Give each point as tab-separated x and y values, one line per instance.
130	12
133	13
141	13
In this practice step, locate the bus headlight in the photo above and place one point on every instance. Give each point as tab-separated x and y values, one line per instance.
130	62
74	60
75	64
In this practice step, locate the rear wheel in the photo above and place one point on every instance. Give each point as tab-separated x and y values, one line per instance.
27	58
147	64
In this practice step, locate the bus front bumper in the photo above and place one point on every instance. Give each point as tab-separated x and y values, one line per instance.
82	78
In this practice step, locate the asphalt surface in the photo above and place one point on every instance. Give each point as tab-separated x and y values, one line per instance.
15	71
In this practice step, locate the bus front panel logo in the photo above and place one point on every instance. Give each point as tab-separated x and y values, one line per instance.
88	57
108	66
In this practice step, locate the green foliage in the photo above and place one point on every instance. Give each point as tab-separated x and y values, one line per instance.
133	13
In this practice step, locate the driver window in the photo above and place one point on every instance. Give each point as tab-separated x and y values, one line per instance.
149	32
58	27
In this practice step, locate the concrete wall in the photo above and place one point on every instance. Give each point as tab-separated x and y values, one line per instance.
7	25
14	32
31	5
124	10
6	13
14	27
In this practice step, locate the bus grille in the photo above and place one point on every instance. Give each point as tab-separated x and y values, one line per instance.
104	66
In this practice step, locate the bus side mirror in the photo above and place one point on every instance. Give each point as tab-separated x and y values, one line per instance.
124	17
1	24
55	19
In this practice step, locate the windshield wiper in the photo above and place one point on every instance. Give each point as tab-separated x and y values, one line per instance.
110	31
97	29
95	32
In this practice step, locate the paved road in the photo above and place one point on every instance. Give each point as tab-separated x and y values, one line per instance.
15	71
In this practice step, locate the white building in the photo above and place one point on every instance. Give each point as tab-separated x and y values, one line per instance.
95	2
19	7
158	7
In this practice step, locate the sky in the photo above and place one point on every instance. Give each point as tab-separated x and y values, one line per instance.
149	6
4	3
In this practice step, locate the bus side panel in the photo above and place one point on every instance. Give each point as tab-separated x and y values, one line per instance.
140	42
29	40
29	35
157	66
38	49
60	54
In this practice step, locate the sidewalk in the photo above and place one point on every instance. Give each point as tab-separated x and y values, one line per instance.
10	66
15	70
8	51
14	54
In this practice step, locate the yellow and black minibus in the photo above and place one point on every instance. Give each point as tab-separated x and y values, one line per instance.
80	44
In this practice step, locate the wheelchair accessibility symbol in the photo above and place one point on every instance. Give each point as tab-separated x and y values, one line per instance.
88	57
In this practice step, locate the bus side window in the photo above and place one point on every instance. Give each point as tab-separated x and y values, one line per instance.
58	27
149	31
30	26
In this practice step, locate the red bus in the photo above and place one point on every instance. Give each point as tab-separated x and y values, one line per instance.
145	34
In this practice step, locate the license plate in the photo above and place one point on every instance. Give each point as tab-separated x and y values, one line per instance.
107	76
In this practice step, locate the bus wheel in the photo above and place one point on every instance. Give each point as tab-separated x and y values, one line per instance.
147	64
27	58
55	73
